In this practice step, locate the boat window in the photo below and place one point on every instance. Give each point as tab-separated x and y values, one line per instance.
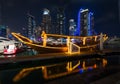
11	46
7	47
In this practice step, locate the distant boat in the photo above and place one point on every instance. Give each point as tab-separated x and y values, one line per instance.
113	41
4	41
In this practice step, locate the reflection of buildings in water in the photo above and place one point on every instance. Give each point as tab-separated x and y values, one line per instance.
62	69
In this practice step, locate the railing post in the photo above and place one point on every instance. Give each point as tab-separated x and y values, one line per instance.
95	38
83	65
101	41
105	37
79	49
68	44
84	39
44	38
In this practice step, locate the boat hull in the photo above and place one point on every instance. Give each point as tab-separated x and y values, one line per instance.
47	49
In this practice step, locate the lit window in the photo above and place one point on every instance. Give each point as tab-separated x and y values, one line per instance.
61	22
85	21
61	15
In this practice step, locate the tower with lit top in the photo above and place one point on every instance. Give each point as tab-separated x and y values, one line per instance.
46	21
85	23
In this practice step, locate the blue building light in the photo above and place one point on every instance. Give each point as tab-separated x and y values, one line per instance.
91	13
90	68
79	67
89	29
78	25
89	24
81	71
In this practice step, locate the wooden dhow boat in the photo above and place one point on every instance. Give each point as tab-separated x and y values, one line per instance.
45	47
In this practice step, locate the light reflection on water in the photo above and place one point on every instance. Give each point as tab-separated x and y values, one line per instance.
40	74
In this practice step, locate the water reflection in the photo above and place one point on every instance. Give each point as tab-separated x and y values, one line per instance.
62	69
40	74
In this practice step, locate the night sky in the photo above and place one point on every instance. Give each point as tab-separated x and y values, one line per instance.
106	12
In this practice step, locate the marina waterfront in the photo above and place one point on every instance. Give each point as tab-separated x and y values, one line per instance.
88	71
59	42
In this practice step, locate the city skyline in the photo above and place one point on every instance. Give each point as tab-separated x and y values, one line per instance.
14	13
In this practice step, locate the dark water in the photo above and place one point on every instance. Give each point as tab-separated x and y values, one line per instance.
96	68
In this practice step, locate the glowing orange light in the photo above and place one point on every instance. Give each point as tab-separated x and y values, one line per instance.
95	66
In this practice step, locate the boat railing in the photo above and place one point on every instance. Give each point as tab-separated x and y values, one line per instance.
73	48
68	38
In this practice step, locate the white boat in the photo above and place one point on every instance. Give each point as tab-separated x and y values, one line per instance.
12	49
4	42
114	41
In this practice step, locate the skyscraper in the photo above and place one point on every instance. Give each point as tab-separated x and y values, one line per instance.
91	24
1	12
46	21
0	15
3	30
31	25
119	9
60	29
85	23
72	27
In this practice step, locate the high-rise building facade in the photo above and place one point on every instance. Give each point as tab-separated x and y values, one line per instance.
85	23
24	32
46	21
60	29
119	10
1	12
3	31
72	27
31	25
91	24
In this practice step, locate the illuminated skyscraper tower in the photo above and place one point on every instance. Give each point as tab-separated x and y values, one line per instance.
60	21
46	21
72	27
31	25
85	23
0	15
